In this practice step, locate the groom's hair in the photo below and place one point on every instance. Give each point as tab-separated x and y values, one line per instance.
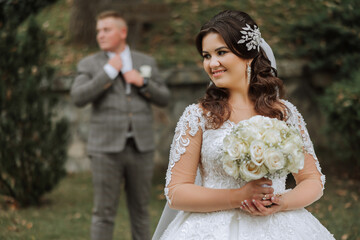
112	14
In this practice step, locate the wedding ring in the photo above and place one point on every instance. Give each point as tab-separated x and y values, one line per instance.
264	198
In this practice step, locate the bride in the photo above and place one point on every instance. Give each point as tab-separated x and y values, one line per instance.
244	84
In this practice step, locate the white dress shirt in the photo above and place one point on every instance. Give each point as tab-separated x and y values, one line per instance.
126	66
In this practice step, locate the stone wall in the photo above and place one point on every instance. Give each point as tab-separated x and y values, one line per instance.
187	85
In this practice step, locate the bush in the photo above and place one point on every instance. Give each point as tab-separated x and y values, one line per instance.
33	142
329	36
341	105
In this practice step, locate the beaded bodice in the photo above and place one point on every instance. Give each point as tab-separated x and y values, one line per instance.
212	172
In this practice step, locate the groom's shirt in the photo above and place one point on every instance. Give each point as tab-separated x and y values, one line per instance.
126	61
126	67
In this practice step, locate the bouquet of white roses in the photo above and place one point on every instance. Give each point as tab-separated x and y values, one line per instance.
261	147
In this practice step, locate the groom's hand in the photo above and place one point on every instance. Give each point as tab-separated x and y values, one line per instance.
116	62
134	77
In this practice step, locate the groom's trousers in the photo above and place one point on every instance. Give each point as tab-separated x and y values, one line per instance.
110	171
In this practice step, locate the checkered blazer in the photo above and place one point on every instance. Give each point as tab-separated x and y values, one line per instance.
114	112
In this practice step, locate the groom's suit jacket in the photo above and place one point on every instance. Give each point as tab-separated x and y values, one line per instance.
115	114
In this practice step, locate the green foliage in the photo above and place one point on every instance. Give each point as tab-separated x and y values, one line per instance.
329	36
341	105
175	39
33	142
171	42
14	12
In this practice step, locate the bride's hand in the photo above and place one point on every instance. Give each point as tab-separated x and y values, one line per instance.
258	209
260	190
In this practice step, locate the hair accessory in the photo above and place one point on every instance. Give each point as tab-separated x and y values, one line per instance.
252	36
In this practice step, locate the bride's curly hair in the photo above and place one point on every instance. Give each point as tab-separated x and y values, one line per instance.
265	88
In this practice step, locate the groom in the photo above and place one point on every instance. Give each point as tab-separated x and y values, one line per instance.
120	84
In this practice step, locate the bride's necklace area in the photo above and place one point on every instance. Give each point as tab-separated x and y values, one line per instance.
242	108
242	113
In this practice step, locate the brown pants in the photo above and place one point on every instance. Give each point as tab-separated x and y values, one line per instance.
108	171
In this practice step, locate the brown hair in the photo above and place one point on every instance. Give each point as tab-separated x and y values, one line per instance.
111	14
265	87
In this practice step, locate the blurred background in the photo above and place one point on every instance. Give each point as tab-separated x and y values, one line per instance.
45	183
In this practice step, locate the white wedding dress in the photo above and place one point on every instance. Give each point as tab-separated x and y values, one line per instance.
234	224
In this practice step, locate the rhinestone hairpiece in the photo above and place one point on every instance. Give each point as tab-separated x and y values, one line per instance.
251	35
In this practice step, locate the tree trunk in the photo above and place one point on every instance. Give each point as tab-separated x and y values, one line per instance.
83	22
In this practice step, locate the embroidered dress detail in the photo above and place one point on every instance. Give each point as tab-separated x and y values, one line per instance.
191	118
296	119
234	224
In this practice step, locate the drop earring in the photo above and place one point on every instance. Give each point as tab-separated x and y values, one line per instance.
248	70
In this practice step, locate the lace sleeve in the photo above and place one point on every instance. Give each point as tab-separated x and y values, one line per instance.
296	119
185	156
190	122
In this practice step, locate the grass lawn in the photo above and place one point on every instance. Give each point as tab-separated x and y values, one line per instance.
65	213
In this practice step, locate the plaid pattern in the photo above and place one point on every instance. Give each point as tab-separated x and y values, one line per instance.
131	169
114	112
114	156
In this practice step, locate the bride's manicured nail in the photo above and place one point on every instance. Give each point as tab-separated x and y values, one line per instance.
253	200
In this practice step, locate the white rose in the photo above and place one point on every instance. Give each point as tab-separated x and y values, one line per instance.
145	71
249	171
243	134
230	166
280	125
289	147
267	123
272	137
228	140
232	147
237	150
292	143
296	161
298	140
257	149
253	132
262	122
274	159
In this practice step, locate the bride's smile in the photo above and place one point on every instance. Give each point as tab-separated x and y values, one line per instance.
218	73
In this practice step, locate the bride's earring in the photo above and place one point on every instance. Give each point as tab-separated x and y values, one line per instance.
248	70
